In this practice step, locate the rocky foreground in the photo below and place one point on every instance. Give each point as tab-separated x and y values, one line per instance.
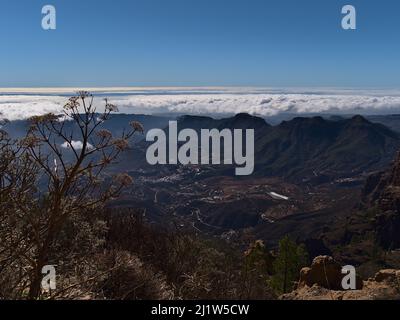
322	281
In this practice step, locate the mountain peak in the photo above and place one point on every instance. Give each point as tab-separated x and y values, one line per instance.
244	121
244	115
359	119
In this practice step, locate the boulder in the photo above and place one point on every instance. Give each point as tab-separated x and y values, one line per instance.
324	272
312	286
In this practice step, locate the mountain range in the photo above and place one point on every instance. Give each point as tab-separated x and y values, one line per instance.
311	149
302	149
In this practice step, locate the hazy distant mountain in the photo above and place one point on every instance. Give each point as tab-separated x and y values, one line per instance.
116	124
391	121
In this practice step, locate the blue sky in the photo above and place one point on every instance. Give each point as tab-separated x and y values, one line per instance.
281	43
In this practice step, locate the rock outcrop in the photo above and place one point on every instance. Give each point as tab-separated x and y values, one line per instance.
322	281
324	272
382	192
383	189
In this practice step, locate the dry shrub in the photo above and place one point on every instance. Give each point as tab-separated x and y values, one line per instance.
129	279
196	268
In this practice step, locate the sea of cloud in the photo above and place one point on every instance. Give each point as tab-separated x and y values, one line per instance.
263	102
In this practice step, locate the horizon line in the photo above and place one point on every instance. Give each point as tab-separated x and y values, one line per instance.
127	89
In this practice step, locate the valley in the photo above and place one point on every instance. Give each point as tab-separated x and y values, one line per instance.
309	174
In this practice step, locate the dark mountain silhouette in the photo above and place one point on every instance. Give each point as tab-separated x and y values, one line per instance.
311	149
240	121
305	147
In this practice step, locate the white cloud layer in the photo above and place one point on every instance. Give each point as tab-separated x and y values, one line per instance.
255	101
18	107
77	145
